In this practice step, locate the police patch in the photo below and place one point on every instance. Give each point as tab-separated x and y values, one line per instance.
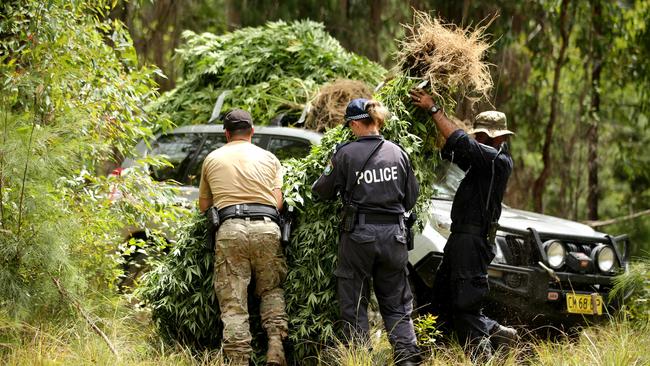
328	169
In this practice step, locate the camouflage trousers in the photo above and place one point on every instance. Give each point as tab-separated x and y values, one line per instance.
244	248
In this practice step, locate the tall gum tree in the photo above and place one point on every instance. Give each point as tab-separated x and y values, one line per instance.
593	191
539	186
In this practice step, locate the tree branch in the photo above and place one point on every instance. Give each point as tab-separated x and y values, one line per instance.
616	220
540	183
92	324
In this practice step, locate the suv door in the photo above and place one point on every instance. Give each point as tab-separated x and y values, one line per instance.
178	148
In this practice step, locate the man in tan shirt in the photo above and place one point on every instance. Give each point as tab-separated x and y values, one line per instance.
244	182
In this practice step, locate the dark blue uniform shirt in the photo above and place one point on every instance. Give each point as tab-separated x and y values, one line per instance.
477	160
386	184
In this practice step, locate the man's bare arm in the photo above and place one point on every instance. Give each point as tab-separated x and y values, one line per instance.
425	101
278	198
204	203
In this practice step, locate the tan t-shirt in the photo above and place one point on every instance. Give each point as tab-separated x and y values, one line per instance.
240	172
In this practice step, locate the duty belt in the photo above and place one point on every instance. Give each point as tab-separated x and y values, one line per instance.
379	219
470	229
252	211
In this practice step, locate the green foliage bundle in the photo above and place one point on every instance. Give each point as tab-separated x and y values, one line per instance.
71	96
310	290
271	69
181	295
184	304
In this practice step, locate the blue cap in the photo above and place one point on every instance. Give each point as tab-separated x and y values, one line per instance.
356	110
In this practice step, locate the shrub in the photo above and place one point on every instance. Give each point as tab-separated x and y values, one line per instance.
71	95
426	330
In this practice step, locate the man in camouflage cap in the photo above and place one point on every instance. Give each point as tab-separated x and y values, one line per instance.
493	124
244	183
461	283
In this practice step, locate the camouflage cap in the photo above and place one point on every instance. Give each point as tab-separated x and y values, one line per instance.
493	123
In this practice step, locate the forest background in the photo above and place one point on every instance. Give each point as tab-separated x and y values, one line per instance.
572	77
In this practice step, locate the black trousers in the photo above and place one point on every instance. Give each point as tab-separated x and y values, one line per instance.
461	286
378	252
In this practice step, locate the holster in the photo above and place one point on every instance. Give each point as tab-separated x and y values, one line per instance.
286	219
349	217
212	215
492	232
410	233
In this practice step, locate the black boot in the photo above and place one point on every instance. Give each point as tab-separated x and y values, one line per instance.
502	336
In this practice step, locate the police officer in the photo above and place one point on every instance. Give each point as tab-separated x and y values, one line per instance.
376	182
244	182
461	280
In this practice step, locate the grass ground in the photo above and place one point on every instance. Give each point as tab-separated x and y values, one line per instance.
74	343
612	343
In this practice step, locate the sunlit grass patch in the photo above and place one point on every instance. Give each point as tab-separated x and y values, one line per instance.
616	343
612	343
72	342
375	351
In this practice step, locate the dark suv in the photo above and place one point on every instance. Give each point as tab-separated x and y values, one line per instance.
546	269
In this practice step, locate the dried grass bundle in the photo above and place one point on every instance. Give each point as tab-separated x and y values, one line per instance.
448	57
328	107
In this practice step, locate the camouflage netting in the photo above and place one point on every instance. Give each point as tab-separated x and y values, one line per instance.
179	289
269	70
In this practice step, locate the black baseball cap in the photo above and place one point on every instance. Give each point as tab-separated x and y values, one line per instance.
237	119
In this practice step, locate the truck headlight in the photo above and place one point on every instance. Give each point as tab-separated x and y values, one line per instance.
604	257
555	253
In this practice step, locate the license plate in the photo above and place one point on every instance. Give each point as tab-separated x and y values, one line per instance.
584	304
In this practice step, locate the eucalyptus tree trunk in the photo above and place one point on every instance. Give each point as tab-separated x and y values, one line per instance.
341	24
164	29
539	186
376	27
233	14
593	192
155	28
